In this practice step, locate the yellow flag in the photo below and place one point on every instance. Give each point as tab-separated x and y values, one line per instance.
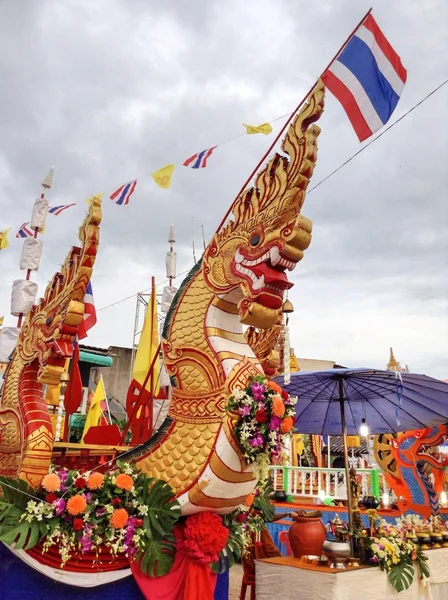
89	200
163	176
147	347
4	243
264	128
353	441
1	321
95	410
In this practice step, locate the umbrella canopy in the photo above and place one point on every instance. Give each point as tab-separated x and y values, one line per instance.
389	402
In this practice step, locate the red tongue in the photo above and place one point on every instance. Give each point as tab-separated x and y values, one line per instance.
272	275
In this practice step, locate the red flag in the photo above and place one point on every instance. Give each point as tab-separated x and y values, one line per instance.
73	393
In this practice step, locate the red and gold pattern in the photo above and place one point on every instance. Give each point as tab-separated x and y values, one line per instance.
45	342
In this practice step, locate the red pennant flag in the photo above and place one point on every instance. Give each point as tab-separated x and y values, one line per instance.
73	393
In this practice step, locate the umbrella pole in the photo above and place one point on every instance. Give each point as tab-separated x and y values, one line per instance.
347	469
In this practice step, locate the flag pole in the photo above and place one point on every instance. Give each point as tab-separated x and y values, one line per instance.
288	121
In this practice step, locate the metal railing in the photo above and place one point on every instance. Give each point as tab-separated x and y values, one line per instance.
310	482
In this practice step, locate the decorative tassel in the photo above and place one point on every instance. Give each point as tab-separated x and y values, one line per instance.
287	356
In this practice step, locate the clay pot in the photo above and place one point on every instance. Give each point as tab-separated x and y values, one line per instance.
307	534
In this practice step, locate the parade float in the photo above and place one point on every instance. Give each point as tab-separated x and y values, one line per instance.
159	507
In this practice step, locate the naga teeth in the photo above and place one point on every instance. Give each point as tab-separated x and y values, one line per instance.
238	257
274	255
259	283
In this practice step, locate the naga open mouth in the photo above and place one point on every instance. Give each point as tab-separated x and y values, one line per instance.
266	275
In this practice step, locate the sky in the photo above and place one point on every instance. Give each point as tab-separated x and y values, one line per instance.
112	90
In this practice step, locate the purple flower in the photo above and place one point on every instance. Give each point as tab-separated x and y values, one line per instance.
258	391
86	544
100	511
62	488
63	474
88	497
244	411
274	423
59	506
256	441
374	559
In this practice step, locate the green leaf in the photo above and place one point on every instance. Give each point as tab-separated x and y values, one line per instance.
23	535
158	557
402	575
422	566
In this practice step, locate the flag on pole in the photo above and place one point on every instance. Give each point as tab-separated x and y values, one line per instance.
265	128
124	193
199	160
147	347
95	409
89	319
25	231
57	210
73	392
163	176
4	242
367	78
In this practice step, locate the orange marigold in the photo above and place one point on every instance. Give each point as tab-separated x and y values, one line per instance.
76	505
286	425
119	518
51	482
278	408
249	500
124	482
274	387
95	481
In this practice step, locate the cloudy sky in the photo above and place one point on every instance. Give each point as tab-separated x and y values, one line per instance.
112	90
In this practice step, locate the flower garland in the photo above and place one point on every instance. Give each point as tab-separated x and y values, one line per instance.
85	512
265	416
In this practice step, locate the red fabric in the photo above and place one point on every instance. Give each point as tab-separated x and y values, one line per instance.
345	97
387	49
73	393
79	563
187	579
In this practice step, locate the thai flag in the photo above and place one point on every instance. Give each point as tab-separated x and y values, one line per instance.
25	231
199	160
56	210
367	78
124	192
89	313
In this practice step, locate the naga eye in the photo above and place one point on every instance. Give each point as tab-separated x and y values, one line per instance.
48	321
255	240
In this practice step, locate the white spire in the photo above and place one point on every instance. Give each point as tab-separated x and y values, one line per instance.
48	181
171	236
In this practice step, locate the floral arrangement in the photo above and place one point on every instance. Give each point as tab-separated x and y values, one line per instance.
265	416
122	510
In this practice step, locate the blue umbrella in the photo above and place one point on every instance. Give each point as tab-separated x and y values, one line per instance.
340	401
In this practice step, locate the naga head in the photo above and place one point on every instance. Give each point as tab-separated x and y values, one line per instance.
50	327
421	445
267	235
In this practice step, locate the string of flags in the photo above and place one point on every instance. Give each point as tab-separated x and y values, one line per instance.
366	76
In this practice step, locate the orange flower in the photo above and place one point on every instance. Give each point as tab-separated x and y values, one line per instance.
249	500
95	481
76	505
286	425
124	482
119	518
51	483
278	408
274	387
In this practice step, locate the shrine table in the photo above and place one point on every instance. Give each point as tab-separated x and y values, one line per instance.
288	578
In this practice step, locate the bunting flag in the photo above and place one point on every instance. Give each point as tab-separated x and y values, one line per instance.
57	210
25	231
4	242
89	319
124	193
199	160
163	176
265	128
367	78
96	408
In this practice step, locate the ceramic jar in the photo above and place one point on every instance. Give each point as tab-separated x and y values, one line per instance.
307	534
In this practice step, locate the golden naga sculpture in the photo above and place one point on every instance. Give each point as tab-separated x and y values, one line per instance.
240	280
45	342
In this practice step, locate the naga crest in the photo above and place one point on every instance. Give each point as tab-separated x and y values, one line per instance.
267	235
51	326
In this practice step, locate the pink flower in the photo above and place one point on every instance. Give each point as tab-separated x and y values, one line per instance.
60	506
256	441
258	391
274	423
244	411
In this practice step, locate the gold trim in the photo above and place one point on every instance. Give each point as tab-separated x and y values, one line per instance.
225	306
227	335
225	473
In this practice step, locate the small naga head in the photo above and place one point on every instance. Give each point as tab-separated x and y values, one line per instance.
267	235
50	327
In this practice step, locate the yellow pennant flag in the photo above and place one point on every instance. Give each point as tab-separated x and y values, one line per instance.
147	348
4	243
163	176
265	128
95	410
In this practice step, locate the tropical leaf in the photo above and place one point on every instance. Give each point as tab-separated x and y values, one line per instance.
232	552
422	566
24	535
402	575
159	555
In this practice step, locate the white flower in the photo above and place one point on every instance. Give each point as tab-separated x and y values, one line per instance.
142	509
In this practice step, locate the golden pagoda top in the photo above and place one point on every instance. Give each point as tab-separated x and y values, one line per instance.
394	365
